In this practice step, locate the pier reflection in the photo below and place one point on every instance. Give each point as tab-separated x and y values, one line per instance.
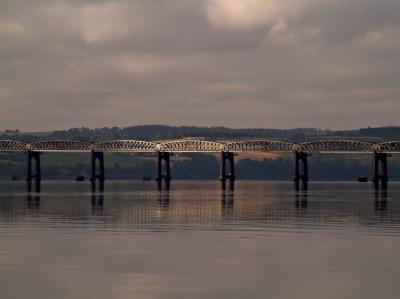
301	199
163	185
97	201
227	200
33	201
163	200
33	186
381	200
183	204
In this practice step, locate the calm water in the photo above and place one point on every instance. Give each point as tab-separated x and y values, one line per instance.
262	240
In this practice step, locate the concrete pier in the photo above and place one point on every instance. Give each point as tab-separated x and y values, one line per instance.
380	170
97	170
300	169
33	170
224	176
163	171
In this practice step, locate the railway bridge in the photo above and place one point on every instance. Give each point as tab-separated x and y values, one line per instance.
227	149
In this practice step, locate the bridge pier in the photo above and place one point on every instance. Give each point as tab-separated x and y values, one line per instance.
163	173
300	169
380	170
33	158
227	156
97	161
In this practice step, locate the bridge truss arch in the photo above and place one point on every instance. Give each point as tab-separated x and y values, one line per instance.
13	146
259	146
343	146
388	147
125	146
191	145
60	146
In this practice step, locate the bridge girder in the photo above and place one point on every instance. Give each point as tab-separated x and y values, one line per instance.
125	146
12	146
335	146
259	146
388	147
60	146
191	145
195	145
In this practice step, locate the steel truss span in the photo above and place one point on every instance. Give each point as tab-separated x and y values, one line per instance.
343	146
187	145
388	147
125	146
194	145
12	146
60	146
259	146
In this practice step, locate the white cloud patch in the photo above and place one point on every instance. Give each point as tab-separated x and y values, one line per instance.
251	14
11	28
384	38
109	21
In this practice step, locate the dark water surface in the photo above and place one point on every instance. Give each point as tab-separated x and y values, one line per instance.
262	240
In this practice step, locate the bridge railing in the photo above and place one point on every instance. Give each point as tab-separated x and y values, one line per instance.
196	145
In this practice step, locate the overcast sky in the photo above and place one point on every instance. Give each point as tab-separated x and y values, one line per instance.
251	63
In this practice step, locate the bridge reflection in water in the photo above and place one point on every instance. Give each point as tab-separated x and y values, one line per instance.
186	204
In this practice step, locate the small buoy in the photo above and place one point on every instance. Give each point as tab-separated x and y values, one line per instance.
80	178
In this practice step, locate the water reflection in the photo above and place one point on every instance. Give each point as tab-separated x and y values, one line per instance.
381	200
97	186
163	200
227	186
301	199
35	184
33	201
196	203
163	185
227	201
97	201
301	186
199	240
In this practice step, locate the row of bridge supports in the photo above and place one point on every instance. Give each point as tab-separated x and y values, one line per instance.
163	173
380	168
164	167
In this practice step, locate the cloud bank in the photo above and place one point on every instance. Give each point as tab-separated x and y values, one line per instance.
254	63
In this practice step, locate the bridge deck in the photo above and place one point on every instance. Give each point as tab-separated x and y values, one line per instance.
202	146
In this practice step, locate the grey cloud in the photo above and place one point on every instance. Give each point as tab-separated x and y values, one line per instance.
331	64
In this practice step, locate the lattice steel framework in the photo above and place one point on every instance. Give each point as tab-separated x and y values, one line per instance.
194	145
60	146
126	146
335	146
188	145
12	146
388	147
259	146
